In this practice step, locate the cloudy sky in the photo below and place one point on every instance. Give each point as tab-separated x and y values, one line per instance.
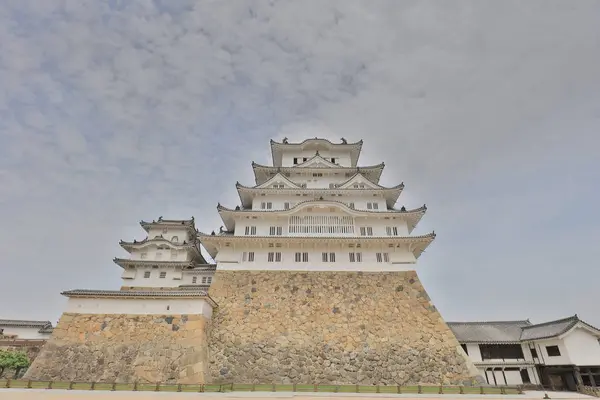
115	111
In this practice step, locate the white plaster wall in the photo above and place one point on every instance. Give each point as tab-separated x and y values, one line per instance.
563	359
174	277
139	306
232	259
342	157
168	233
151	252
360	200
473	352
583	347
24	332
378	224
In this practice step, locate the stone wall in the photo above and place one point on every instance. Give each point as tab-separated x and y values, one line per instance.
124	348
322	327
30	347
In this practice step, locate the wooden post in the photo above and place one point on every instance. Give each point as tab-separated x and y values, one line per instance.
316	387
232	386
70	386
441	391
93	386
336	389
294	387
7	383
253	387
461	389
157	387
481	390
520	389
357	388
179	387
502	390
135	386
377	390
273	389
29	384
201	389
113	387
419	389
399	389
49	384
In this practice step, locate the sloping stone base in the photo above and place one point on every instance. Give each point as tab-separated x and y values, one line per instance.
124	348
330	327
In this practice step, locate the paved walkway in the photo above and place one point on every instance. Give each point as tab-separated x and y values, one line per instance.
55	394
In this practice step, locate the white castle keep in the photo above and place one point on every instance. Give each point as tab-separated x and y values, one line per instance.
314	209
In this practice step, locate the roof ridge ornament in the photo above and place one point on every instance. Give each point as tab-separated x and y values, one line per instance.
285	140
344	141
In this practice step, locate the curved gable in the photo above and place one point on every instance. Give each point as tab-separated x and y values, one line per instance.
358	181
316	161
278	180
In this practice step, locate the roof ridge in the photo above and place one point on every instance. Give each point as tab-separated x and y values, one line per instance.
556	321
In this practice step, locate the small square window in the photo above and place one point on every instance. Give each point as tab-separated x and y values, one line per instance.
194	279
553	351
163	275
147	274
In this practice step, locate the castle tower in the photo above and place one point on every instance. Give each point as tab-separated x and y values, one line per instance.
152	330
316	278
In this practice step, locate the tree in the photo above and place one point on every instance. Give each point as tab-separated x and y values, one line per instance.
13	360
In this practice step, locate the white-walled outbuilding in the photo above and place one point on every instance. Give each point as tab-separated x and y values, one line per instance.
25	329
559	354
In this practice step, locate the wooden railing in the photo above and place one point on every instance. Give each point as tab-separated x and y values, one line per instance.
232	387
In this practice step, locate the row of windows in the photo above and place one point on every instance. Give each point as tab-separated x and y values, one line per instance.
163	275
276	256
330	228
159	255
268	205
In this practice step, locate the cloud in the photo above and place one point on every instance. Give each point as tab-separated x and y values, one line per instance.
113	111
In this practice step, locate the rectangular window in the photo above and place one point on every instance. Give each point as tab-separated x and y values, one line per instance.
304	257
204	280
331	257
272	230
298	257
363	231
386	257
324	257
318	174
553	351
351	205
333	160
271	257
369	231
375	206
251	256
369	206
286	206
163	274
263	205
352	257
269	205
209	280
464	347
378	257
277	257
304	159
295	160
391	230
358	257
147	274
332	186
195	279
501	352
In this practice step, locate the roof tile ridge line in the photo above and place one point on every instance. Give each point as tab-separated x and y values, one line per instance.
423	208
400	186
374	166
430	235
25	321
574	318
359	143
489	322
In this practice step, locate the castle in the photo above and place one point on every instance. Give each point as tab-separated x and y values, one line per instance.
314	282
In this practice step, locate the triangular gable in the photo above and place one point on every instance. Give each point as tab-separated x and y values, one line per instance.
361	181
278	179
317	162
584	326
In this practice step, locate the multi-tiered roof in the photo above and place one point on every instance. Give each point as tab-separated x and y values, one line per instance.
286	179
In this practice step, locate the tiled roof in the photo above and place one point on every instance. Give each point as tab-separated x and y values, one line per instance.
85	293
45	326
549	329
488	332
513	331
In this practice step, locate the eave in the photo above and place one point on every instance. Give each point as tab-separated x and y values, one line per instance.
213	243
263	173
125	262
277	148
189	224
413	217
157	241
246	193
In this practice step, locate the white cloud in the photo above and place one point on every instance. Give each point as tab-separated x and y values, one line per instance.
111	112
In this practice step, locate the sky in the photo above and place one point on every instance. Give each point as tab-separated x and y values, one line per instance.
489	111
